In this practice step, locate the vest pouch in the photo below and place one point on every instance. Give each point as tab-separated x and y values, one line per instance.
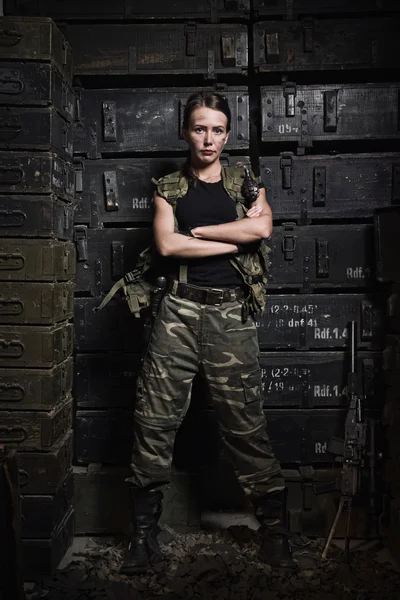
254	269
137	289
138	295
138	292
264	252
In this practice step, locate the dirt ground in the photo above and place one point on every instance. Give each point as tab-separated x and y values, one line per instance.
223	565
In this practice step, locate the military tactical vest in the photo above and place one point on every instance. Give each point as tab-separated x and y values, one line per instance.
252	266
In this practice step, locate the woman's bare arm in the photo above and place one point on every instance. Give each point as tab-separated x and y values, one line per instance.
243	231
169	243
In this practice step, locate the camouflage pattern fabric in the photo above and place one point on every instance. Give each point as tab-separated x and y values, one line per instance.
188	337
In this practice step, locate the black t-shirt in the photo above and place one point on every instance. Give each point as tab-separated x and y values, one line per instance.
207	204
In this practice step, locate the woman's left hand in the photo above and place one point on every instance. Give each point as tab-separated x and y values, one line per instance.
254	211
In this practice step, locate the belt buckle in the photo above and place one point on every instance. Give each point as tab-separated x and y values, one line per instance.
212	292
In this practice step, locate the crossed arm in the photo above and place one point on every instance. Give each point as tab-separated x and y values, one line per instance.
210	240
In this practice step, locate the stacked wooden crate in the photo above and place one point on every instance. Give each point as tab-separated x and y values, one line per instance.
37	269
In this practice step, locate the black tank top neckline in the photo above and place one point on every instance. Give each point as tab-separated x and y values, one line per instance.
209	182
207	203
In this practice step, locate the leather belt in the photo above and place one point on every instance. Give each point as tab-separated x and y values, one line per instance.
214	296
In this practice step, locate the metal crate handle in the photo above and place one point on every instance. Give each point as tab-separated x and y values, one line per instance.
11	261
17	174
11	307
9	132
11	349
11	218
11	392
11	85
15	435
9	37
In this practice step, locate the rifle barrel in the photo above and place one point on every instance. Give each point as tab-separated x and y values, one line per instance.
353	343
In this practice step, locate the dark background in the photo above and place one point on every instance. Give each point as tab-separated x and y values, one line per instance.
314	92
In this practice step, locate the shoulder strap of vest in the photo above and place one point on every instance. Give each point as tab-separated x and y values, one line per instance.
232	179
174	186
171	187
117	286
143	264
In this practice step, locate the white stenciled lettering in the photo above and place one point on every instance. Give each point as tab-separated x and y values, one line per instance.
280	372
320	391
287	128
141	203
326	333
276	386
320	448
276	308
322	333
325	391
296	322
355	273
308	309
339	333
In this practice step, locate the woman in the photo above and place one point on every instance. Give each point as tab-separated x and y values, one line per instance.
217	264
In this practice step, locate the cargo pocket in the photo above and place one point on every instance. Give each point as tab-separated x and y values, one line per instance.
251	386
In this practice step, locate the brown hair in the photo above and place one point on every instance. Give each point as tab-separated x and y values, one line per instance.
209	99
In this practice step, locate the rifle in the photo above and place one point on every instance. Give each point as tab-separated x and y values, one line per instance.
352	448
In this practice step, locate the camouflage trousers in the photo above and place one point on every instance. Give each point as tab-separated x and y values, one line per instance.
188	337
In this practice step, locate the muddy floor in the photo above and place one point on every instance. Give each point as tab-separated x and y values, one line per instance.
223	566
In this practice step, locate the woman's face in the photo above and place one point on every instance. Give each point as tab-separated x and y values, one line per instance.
206	135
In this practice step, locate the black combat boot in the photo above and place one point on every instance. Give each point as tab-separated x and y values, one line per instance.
271	513
143	551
